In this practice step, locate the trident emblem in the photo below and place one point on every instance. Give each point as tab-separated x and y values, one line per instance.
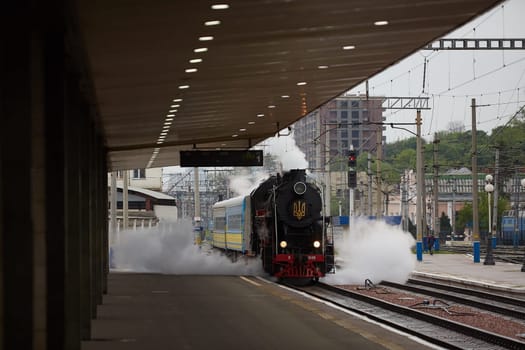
299	209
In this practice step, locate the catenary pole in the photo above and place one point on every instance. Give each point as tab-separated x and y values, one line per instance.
436	226
379	138
369	167
419	190
475	212
494	227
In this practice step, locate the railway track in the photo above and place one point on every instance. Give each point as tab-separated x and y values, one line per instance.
438	330
502	253
487	293
493	302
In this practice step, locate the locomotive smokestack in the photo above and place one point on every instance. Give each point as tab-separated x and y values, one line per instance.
295	175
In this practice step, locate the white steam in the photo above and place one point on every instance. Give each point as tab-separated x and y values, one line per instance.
372	250
243	184
169	248
375	251
288	155
287	152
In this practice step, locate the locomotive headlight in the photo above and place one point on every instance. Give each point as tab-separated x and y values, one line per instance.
317	244
283	244
299	188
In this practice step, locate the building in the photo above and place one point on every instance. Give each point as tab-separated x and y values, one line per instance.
325	135
146	202
150	178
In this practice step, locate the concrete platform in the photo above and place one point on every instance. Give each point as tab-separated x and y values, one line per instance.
151	311
460	268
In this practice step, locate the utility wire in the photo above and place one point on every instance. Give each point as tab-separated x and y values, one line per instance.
493	135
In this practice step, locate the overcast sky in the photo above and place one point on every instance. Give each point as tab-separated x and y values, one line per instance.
453	78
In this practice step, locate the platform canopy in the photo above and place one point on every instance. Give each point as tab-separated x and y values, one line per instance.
231	77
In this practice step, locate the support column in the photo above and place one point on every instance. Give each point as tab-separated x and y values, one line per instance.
113	218
84	228
45	244
16	140
95	216
77	108
55	234
125	203
103	193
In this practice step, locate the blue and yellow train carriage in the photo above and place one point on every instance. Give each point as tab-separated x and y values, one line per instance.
232	225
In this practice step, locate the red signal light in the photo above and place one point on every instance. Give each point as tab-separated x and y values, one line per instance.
352	158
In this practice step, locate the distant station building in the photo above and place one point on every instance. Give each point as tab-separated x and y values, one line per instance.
150	178
147	205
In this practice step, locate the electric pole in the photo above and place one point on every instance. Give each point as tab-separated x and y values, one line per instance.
475	216
436	226
420	222
496	196
379	137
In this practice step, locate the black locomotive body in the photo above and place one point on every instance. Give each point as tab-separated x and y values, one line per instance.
289	227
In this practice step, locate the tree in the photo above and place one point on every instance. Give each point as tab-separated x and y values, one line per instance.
465	215
464	218
511	142
406	159
444	223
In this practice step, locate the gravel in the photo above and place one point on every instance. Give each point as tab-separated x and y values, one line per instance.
462	314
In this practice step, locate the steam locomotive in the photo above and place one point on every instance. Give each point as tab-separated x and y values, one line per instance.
281	222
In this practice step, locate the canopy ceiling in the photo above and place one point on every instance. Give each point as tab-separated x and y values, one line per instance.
268	64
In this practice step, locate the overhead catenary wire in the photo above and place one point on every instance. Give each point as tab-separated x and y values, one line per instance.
493	135
503	103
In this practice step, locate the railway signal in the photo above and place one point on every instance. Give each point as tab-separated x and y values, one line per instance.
351	159
352	174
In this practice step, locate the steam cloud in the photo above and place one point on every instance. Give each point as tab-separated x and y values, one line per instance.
373	250
286	150
288	155
169	248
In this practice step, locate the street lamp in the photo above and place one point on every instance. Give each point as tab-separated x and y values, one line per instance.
489	188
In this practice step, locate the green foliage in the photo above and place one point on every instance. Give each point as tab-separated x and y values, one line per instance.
465	214
454	149
406	159
362	161
511	142
444	223
339	163
397	147
464	218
